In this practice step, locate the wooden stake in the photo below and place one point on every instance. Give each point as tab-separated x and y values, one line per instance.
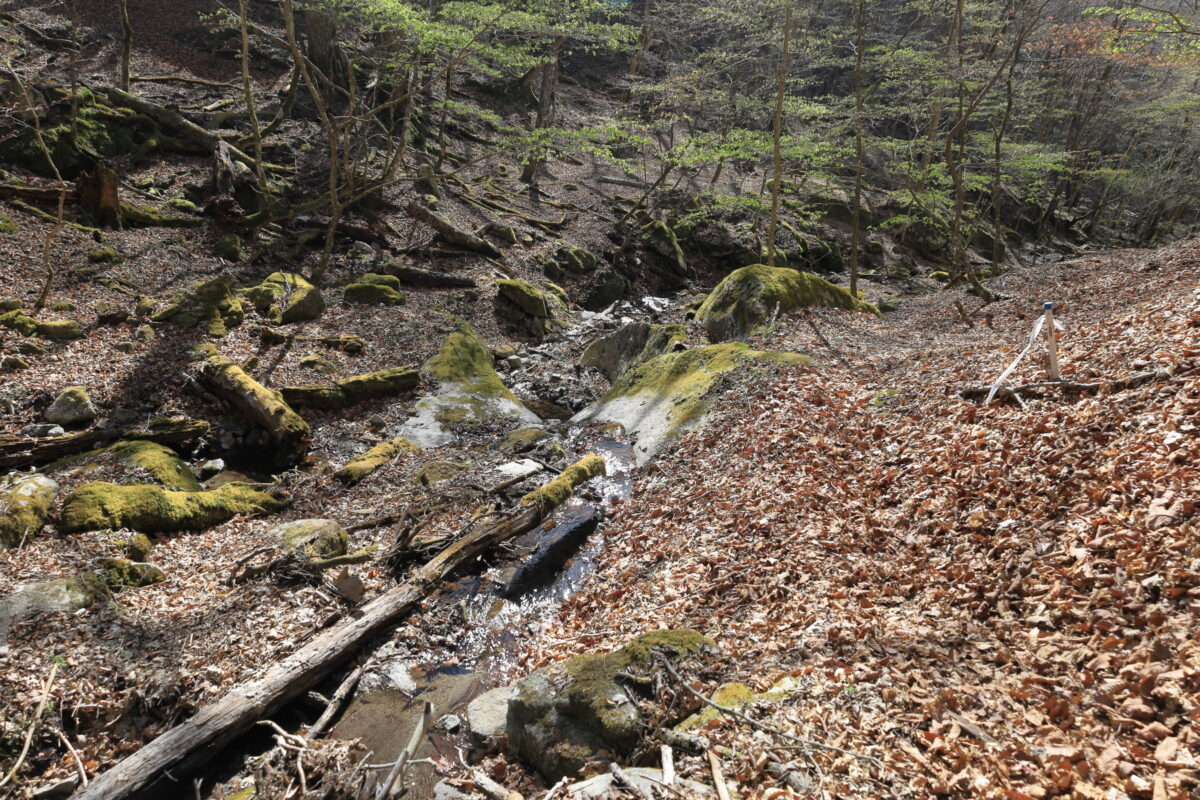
1051	345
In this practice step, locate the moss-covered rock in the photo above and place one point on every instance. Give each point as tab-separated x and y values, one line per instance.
25	502
286	297
59	331
72	406
13	364
183	204
99	131
137	547
735	695
353	390
524	296
213	303
152	509
609	287
529	309
105	254
566	715
631	345
312	538
7	226
660	399
319	363
662	240
363	465
748	298
121	573
9	304
469	391
371	288
109	313
229	246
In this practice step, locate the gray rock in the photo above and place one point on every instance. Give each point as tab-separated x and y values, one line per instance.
71	407
444	791
209	468
61	594
42	431
630	345
449	723
487	714
647	781
568	714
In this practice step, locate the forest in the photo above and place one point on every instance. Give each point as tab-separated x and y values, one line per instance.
629	399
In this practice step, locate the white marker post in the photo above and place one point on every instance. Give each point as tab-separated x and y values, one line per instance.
1051	345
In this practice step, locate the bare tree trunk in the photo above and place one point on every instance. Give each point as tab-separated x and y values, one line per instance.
785	65
126	44
856	211
248	95
545	114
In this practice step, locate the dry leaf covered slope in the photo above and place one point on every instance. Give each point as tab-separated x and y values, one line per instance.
988	600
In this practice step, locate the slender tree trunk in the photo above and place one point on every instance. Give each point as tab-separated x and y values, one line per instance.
785	66
331	135
637	60
126	44
856	211
546	99
248	95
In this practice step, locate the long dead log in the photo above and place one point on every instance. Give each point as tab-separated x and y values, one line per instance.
451	232
256	402
161	765
414	276
19	451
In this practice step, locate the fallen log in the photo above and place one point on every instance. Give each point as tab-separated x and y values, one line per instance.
451	232
256	402
1120	384
427	278
353	390
163	764
19	451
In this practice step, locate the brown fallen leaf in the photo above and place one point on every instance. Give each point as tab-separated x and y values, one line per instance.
1166	511
1166	750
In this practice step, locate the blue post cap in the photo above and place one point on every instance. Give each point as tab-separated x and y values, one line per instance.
1048	306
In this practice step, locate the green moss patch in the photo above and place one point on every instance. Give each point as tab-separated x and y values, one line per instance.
286	297
748	298
151	509
144	460
556	492
371	288
59	331
312	538
361	466
121	573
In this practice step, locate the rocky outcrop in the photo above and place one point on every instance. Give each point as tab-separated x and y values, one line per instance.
152	509
630	345
72	406
285	297
25	502
664	397
566	715
749	298
658	236
469	391
353	390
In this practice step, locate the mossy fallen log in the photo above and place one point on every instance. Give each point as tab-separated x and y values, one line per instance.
451	232
19	451
262	406
153	509
160	766
363	465
351	391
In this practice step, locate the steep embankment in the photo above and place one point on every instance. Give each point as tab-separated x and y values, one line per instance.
987	600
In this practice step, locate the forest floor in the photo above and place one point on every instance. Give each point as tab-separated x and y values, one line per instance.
967	600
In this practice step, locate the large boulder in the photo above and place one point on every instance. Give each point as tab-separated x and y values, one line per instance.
25	502
609	287
658	236
469	391
72	406
152	509
749	298
565	716
630	345
286	297
660	399
528	309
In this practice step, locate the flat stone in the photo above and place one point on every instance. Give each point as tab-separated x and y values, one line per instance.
519	469
42	431
487	715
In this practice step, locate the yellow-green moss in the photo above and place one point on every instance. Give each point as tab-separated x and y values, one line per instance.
686	376
524	296
162	464
313	538
137	547
289	428
300	301
374	289
25	503
7	226
734	696
121	573
105	254
361	466
61	330
556	492
749	297
464	360
353	390
106	506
